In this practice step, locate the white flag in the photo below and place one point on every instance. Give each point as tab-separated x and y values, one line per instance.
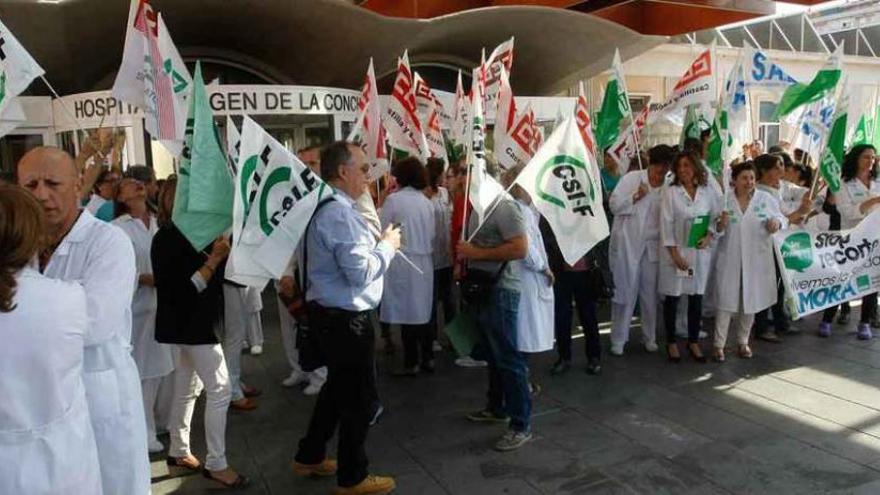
460	121
483	188
276	195
501	58
368	129
762	72
233	145
516	147
401	118
584	122
504	115
154	81
564	183
696	86
627	145
17	70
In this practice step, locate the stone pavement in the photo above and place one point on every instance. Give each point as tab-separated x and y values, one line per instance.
802	417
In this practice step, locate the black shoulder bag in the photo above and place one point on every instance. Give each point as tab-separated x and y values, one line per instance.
476	288
310	355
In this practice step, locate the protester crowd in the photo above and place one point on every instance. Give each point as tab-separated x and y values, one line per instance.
135	308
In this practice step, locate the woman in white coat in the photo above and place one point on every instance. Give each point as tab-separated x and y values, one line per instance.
634	250
688	208
153	359
47	445
744	259
408	295
859	196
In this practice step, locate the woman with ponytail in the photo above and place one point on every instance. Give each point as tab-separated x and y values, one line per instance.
47	445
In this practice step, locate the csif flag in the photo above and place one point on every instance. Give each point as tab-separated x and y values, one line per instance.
565	186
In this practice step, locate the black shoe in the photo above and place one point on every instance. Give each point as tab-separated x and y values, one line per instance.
594	367
560	367
427	367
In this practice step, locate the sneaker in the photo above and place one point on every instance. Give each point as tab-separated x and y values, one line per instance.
295	378
651	346
864	332
256	350
437	347
154	446
824	330
469	362
843	318
327	467
486	416
560	367
512	440
594	367
376	413
617	349
313	388
371	485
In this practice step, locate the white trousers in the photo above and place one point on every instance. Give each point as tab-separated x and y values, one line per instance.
288	339
200	367
621	313
254	329
164	399
235	323
150	392
722	323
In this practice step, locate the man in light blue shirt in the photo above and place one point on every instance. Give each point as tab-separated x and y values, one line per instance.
344	265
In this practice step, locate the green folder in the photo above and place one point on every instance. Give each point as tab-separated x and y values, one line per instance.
699	229
463	333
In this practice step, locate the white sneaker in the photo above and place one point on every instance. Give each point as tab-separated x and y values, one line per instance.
469	362
155	446
295	378
651	346
617	349
256	350
437	347
313	389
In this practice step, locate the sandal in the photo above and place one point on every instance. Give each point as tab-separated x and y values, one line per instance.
718	355
175	462
239	482
745	352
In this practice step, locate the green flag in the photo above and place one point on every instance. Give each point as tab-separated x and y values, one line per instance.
875	132
823	83
718	141
694	123
203	201
832	157
860	134
615	106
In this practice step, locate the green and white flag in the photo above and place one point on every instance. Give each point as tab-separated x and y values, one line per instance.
483	189
695	121
823	83
275	196
832	158
203	201
729	121
564	183
17	70
861	134
615	106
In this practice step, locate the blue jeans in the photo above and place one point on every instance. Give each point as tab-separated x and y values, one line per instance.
508	370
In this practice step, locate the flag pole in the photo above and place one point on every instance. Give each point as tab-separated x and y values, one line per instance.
632	121
491	210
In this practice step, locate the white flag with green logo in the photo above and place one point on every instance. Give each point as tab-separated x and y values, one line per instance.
17	70
564	183
276	195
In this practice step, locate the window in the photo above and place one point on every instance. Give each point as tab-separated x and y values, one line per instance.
768	124
638	102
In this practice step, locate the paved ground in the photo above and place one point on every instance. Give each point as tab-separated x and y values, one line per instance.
802	417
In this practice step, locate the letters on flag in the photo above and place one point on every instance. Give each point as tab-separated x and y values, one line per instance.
516	147
431	119
585	124
501	58
565	186
368	129
696	86
401	117
762	72
627	145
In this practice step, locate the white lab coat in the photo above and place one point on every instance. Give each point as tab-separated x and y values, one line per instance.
852	194
635	233
409	294
47	445
152	358
100	257
790	196
745	256
442	218
677	212
534	330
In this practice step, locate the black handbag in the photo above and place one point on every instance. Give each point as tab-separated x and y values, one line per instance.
310	355
477	285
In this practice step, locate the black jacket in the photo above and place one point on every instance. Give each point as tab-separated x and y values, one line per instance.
183	316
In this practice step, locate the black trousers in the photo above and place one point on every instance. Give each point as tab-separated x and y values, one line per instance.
347	399
442	298
829	313
694	317
575	285
417	339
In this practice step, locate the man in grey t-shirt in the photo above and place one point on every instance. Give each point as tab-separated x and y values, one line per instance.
501	239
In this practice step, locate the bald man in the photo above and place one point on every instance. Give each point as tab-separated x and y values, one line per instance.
100	257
